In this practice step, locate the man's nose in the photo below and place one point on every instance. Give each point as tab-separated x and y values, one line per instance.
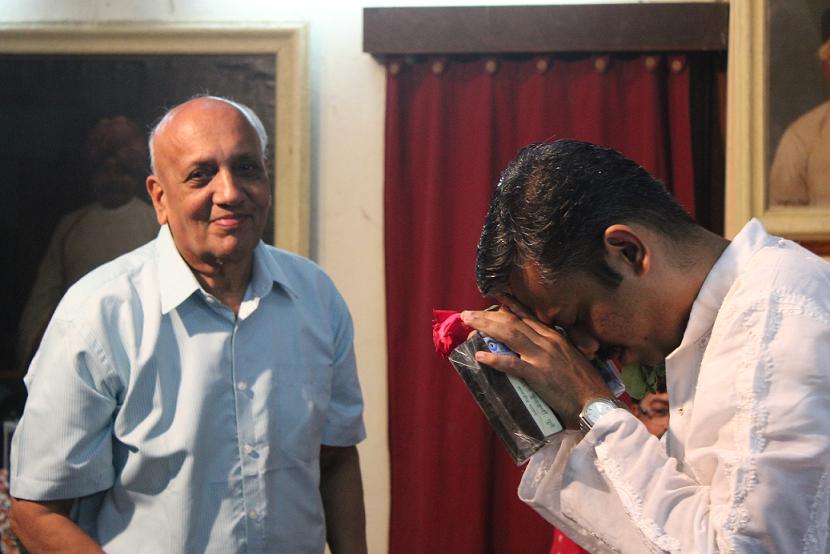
585	342
227	190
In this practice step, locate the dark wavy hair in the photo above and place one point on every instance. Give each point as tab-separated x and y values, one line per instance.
554	202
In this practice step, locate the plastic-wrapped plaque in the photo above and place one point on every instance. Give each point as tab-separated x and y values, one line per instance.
520	418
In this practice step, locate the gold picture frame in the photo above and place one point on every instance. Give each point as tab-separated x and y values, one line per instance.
748	157
287	43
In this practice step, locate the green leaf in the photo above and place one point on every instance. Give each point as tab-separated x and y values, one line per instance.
655	377
634	381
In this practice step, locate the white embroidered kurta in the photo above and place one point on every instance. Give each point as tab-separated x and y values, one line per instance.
744	464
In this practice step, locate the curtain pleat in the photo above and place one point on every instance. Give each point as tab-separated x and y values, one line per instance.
452	124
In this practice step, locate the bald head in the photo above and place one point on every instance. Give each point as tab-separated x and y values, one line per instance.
207	102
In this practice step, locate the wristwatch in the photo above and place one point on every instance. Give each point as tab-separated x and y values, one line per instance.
595	408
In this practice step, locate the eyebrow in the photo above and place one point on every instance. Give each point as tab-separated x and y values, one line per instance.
198	164
210	162
248	157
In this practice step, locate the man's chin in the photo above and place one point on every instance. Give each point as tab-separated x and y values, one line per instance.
653	360
627	356
232	256
237	252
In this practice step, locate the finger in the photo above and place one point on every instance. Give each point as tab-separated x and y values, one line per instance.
540	328
506	328
508	364
523	312
482	318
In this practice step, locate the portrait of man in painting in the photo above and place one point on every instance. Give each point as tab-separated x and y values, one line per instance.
73	134
799	103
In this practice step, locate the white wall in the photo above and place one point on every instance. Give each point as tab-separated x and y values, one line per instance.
347	107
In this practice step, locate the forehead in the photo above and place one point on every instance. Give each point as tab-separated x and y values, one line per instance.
206	129
528	286
547	299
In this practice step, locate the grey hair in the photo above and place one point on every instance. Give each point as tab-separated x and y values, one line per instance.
249	114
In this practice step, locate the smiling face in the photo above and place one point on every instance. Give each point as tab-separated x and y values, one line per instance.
210	184
602	322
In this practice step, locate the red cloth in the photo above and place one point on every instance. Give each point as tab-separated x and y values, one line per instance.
563	545
448	331
451	127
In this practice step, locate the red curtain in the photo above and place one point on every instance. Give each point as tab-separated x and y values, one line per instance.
451	126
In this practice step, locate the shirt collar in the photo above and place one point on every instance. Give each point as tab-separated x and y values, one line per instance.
177	282
267	271
723	274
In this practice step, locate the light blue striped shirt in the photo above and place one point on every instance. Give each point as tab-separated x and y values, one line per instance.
184	428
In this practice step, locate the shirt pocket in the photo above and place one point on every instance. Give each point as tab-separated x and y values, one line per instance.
302	396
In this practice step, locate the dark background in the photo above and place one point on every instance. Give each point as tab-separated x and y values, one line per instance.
48	104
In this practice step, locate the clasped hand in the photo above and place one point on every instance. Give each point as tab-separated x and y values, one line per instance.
559	372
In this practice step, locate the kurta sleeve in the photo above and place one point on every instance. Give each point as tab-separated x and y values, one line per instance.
567	484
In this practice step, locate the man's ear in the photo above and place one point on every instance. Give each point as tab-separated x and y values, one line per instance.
625	248
156	192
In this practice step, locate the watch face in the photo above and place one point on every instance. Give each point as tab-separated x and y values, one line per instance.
596	409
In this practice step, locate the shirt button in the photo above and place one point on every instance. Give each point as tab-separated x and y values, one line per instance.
242	385
253	514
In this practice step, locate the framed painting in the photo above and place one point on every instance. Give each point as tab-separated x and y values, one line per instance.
778	154
61	82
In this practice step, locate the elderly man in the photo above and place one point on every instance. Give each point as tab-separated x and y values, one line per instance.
579	237
198	394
